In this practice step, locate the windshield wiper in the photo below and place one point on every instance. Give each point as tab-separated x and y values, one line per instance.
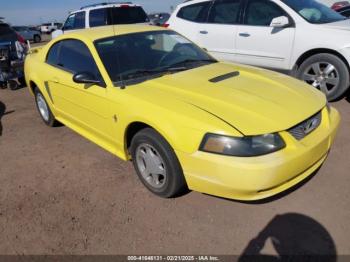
194	61
151	72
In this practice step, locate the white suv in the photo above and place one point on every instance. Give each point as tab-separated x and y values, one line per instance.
103	14
301	37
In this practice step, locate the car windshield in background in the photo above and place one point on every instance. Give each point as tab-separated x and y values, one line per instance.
313	11
141	56
128	15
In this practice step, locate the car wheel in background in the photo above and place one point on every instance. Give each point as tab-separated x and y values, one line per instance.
44	109
327	73
156	164
37	39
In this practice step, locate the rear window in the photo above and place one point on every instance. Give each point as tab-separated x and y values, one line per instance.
127	15
196	12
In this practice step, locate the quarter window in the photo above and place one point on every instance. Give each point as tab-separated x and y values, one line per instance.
196	12
224	12
52	56
261	12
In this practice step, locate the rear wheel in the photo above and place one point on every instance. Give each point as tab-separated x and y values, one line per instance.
156	164
44	109
327	73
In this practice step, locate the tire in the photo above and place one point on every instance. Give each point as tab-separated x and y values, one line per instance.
37	39
332	77
13	85
171	181
41	103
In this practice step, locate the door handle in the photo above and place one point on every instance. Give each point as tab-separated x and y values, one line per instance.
203	32
244	34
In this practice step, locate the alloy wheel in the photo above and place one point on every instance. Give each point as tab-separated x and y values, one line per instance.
322	75
151	165
42	106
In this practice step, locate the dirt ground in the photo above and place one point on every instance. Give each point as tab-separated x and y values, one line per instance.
61	194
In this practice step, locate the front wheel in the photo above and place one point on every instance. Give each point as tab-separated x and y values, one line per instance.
156	164
327	73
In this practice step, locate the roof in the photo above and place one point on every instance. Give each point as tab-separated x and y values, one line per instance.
106	4
108	31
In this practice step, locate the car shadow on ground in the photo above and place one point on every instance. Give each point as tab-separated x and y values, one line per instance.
294	237
2	113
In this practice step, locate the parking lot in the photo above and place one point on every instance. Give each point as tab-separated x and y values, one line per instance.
61	194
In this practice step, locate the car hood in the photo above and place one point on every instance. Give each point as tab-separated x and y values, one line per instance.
254	102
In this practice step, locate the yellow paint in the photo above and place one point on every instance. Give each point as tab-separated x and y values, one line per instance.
184	106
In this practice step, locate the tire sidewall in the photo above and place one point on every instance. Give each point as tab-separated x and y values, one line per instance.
174	171
335	61
51	120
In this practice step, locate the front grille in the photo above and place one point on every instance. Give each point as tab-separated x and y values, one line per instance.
306	127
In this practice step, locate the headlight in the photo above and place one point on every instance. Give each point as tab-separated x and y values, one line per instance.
242	146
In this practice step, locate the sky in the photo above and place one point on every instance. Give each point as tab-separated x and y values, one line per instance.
33	12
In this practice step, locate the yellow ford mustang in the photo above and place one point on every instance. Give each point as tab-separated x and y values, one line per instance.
185	120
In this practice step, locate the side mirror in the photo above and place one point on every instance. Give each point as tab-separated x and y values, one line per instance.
87	78
280	22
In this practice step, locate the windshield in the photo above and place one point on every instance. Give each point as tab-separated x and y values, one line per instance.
313	11
148	54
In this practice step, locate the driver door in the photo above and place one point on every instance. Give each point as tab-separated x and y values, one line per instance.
85	106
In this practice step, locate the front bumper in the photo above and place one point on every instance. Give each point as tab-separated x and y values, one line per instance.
253	178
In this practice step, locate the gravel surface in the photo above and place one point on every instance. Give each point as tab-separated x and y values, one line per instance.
61	194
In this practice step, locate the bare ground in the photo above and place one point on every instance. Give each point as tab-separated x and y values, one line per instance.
61	194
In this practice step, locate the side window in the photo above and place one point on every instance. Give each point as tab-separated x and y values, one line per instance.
224	12
261	12
75	56
52	56
196	12
98	17
79	20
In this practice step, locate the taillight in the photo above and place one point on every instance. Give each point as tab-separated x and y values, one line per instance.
165	25
20	39
124	6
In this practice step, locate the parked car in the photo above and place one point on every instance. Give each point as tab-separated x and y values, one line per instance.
48	28
8	34
158	19
149	95
344	11
28	34
12	53
338	5
104	14
303	38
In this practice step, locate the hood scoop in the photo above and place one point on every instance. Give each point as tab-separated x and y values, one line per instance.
224	77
